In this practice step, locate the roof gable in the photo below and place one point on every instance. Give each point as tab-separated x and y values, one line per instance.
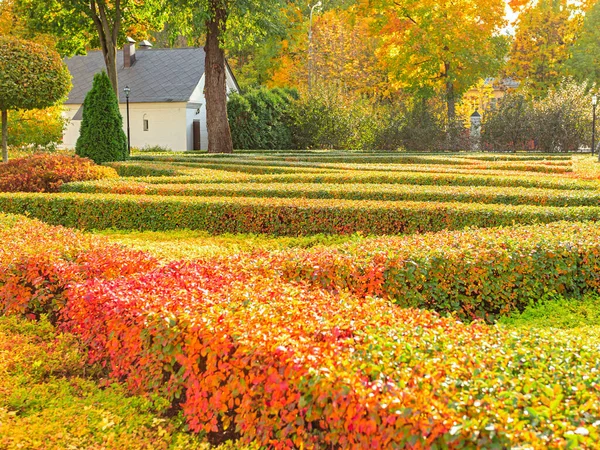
157	76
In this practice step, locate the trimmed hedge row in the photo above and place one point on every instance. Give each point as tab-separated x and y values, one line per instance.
389	192
260	165
341	177
131	169
287	367
296	158
480	273
276	216
38	262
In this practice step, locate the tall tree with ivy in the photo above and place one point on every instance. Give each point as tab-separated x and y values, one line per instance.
31	77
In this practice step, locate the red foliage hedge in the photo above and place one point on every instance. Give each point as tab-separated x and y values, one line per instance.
38	262
285	365
47	172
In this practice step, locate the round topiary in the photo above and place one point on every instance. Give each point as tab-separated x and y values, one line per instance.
31	76
101	137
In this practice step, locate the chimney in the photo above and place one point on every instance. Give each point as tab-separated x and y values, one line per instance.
145	45
129	53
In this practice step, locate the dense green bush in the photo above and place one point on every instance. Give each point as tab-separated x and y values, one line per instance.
559	122
102	138
508	128
420	128
260	119
326	119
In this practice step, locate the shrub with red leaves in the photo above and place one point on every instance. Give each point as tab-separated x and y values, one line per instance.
46	173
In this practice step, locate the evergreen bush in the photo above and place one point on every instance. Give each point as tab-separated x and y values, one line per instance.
260	119
102	138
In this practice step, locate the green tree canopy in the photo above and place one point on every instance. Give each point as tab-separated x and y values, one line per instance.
31	77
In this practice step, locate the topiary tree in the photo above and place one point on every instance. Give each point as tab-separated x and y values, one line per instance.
31	77
101	137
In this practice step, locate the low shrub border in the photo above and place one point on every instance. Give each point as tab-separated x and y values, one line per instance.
275	216
332	177
285	366
381	192
479	273
47	172
38	262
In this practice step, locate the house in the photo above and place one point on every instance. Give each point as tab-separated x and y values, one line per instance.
166	100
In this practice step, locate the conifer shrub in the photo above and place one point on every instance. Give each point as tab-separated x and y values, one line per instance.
102	138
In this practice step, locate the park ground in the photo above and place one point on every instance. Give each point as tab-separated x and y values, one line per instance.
465	282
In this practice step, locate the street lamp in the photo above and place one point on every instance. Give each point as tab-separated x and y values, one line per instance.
127	91
310	58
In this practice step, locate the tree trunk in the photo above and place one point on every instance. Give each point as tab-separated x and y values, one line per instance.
450	102
110	60
215	84
4	136
108	26
451	109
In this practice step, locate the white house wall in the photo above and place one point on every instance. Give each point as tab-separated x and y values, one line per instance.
166	125
196	110
72	129
170	125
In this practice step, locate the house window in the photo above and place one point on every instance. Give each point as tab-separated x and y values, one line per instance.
146	125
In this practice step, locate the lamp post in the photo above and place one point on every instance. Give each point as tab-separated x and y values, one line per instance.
594	104
310	58
127	91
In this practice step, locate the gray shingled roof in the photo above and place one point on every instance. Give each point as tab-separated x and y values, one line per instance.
162	75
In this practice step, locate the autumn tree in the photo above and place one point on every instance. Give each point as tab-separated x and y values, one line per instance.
80	24
545	31
31	76
584	60
433	47
343	54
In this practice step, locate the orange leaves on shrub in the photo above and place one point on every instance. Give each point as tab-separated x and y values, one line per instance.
285	365
46	173
38	262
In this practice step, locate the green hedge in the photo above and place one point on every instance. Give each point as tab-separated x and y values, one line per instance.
275	216
354	177
384	192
